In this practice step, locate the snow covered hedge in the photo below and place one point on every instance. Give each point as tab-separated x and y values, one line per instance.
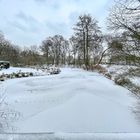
122	80
15	75
27	72
126	76
127	80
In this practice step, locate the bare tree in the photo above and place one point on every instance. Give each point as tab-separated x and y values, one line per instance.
124	18
125	15
45	48
88	36
31	56
55	49
74	48
8	51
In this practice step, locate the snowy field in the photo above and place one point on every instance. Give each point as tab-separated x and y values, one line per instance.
73	101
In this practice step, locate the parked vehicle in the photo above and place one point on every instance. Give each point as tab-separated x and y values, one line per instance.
4	64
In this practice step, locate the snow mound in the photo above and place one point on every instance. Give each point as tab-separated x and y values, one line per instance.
72	136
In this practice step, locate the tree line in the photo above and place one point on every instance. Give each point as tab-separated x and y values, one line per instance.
87	46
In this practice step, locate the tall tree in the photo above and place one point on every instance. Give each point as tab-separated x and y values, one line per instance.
88	36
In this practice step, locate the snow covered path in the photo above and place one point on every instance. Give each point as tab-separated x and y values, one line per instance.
73	101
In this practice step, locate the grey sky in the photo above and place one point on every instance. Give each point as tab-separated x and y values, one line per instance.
28	22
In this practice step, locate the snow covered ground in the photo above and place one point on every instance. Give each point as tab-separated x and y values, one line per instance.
73	101
72	136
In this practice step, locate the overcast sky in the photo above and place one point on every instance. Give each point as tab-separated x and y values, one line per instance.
28	22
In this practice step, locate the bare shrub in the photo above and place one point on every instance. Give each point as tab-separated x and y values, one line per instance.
122	81
100	69
108	75
134	72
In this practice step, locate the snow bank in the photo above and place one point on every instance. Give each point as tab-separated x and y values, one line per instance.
27	72
72	136
16	70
